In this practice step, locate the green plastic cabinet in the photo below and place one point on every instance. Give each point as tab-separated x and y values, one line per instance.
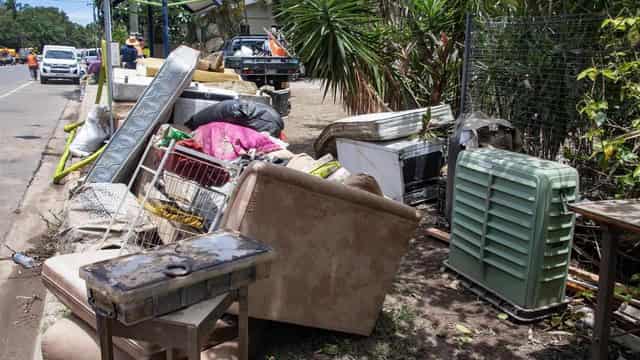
511	231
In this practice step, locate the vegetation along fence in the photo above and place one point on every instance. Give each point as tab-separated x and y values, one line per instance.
525	70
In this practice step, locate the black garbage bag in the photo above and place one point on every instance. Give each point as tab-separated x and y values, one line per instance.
257	116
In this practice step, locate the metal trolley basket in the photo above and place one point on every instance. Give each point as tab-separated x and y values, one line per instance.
184	192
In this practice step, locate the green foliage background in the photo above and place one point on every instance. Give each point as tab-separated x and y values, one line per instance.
385	54
27	26
612	107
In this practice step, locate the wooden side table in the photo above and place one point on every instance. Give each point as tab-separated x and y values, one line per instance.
173	295
186	329
614	217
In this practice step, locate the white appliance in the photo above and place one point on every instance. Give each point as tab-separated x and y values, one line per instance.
407	170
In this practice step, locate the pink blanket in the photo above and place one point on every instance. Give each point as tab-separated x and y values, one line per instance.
227	141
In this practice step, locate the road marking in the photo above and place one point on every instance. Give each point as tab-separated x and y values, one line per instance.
16	89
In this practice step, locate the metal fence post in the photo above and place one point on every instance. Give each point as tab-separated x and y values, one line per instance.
454	140
152	38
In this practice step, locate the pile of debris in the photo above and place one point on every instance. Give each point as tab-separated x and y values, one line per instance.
190	160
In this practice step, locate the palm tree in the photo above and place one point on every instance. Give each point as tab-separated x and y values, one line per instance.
333	39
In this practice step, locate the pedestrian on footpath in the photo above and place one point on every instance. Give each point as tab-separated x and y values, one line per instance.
32	64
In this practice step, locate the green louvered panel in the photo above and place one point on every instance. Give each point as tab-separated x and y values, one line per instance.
511	232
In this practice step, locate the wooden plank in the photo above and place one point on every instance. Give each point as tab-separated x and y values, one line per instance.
438	234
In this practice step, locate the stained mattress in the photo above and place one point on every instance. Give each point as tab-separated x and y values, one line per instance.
379	127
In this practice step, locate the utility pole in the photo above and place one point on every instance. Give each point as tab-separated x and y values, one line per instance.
133	17
108	65
151	35
95	22
165	27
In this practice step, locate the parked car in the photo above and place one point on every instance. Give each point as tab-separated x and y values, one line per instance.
6	58
59	62
90	55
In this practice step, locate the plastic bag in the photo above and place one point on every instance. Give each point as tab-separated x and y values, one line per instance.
92	133
257	116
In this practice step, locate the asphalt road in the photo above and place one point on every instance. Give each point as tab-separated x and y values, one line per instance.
29	113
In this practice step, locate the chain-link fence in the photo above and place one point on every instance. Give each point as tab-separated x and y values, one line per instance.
524	69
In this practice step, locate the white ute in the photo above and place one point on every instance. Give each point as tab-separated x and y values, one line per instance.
59	62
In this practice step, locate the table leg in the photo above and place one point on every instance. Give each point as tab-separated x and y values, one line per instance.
103	325
243	323
606	283
193	345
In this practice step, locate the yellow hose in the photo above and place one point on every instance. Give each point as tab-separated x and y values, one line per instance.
61	172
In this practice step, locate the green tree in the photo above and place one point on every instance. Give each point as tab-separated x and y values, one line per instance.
27	26
332	37
43	25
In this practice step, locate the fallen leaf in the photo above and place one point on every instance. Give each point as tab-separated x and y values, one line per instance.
503	316
465	339
455	285
463	329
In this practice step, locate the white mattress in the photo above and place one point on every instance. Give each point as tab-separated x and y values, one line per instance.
379	126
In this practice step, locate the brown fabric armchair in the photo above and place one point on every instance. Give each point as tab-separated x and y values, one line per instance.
338	248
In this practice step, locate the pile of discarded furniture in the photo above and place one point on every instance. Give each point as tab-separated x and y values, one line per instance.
193	220
195	209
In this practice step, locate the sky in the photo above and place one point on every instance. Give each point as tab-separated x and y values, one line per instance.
78	11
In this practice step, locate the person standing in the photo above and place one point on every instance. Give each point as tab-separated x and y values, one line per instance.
141	49
32	64
129	53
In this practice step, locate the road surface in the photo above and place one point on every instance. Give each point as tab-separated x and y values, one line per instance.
29	113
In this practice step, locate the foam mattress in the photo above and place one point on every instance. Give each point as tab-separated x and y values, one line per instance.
379	127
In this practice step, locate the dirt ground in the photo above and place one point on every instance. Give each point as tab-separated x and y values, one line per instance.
427	314
309	115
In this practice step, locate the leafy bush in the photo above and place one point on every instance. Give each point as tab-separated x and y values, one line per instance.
612	105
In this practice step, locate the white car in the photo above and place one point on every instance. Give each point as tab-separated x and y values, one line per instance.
89	55
59	62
